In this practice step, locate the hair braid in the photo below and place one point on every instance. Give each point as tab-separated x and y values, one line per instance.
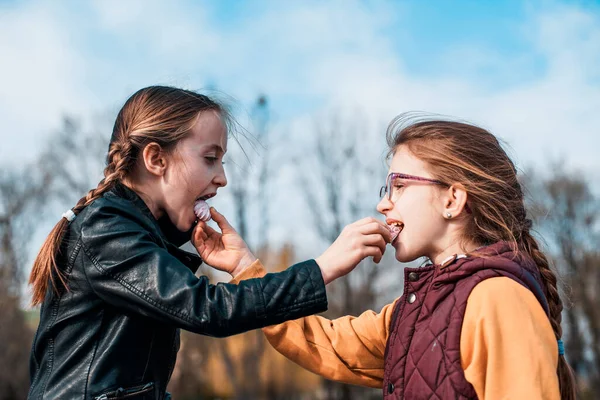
555	307
119	157
119	161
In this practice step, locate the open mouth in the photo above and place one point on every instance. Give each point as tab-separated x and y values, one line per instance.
395	229
206	196
201	208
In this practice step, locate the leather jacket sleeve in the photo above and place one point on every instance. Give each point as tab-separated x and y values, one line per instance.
129	267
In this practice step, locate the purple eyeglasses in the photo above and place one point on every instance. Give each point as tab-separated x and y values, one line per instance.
393	176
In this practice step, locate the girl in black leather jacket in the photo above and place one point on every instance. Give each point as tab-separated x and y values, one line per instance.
113	285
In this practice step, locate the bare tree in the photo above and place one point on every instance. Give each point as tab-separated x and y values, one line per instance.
22	195
567	212
249	181
26	194
340	177
76	157
261	121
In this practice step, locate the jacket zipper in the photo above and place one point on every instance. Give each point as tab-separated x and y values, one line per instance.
122	393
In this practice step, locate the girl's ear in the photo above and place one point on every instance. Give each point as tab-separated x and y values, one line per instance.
154	159
455	200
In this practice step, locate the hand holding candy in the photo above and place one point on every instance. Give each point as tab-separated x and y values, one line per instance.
364	238
225	250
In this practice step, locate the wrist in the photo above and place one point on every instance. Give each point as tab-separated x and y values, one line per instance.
246	260
327	276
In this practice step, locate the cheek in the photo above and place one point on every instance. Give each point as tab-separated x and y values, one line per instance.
202	174
414	208
420	219
191	179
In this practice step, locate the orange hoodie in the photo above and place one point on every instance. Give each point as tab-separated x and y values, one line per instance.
508	349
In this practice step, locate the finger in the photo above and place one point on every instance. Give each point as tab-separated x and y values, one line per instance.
198	240
224	225
203	235
375	240
365	221
210	231
376	228
199	231
373	251
369	221
377	259
207	229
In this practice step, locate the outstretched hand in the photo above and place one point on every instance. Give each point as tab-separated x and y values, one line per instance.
225	250
361	239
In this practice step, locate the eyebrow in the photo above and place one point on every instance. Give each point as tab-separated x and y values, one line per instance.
216	147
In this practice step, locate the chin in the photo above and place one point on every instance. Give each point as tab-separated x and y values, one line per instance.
184	223
400	255
404	259
185	226
404	256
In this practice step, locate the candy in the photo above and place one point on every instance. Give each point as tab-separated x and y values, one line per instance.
202	210
395	231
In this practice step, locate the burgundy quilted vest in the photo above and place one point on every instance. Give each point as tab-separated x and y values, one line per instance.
422	358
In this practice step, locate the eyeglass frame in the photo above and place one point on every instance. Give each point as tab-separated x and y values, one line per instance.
393	175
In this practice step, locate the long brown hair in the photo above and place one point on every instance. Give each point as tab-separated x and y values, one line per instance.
461	153
158	114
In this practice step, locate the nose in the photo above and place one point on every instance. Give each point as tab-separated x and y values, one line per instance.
384	205
220	179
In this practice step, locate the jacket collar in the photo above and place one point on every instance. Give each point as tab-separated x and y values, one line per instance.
126	193
166	227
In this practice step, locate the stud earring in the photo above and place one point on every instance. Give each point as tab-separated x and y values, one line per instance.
448	215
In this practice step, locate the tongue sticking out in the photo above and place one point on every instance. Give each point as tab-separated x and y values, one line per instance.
395	231
202	210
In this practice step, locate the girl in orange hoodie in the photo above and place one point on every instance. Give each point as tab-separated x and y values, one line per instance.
483	318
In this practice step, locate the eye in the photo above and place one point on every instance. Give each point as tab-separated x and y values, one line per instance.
211	160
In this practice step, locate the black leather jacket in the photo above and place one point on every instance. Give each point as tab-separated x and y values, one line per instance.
115	332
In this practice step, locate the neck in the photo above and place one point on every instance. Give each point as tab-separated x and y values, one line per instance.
455	247
141	190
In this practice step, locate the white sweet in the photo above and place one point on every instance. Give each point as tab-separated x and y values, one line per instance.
202	210
395	231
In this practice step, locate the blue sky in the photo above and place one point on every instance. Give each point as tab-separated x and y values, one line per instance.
527	70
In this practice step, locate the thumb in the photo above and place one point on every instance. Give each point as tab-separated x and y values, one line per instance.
224	225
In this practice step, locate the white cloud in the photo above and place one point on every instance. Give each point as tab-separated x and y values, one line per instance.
40	77
324	54
313	56
166	33
553	114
